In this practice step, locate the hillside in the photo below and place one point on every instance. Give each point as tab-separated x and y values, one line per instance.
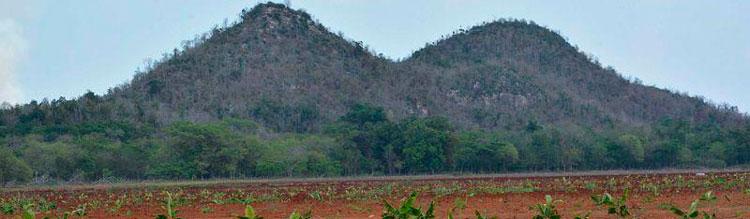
285	72
497	75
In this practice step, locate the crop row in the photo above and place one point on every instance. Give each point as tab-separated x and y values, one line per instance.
70	203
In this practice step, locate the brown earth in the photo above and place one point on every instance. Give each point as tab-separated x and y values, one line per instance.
506	197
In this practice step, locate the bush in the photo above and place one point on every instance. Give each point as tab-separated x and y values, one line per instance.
12	169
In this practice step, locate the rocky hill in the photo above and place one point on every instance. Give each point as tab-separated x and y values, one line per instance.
280	67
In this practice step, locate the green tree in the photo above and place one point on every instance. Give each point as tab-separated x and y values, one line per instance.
632	146
507	154
424	146
685	157
361	114
12	169
57	160
200	151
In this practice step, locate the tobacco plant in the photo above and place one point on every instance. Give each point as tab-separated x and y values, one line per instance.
546	210
407	210
692	211
28	212
297	215
250	213
479	216
616	206
169	205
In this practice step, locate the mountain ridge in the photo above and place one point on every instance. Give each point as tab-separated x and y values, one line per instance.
505	72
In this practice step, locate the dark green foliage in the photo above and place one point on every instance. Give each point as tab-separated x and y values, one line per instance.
363	142
203	151
424	147
285	118
362	114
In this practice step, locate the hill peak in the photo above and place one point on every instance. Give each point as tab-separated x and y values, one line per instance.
275	17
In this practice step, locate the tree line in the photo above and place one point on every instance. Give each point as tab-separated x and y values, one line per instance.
364	141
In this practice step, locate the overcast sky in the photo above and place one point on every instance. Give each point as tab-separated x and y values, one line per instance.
52	48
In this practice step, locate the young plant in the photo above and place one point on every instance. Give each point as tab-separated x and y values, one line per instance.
614	206
316	195
479	216
546	210
207	210
80	210
250	213
297	215
116	206
407	210
28	212
585	216
169	206
691	212
708	196
459	204
45	206
7	208
65	215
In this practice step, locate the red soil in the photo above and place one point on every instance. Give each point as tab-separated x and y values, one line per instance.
352	199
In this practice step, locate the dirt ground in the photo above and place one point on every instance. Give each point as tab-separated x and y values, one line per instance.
502	196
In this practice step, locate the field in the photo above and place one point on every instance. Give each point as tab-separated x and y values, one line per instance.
651	195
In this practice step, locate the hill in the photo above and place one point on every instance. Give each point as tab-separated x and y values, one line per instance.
513	88
497	75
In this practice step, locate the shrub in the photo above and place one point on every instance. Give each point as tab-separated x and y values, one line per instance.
12	169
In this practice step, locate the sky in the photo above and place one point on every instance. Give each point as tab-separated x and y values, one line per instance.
51	48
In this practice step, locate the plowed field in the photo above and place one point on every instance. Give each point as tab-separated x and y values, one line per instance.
505	196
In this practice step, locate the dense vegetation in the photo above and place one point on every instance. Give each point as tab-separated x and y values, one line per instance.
363	141
277	94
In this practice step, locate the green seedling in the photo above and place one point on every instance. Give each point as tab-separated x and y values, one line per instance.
28	212
614	206
546	210
479	216
8	209
585	216
207	210
407	210
250	213
693	212
297	215
169	205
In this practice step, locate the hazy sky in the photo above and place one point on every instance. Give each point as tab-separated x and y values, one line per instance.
52	48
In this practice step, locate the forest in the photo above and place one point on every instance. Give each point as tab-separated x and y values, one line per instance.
361	142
